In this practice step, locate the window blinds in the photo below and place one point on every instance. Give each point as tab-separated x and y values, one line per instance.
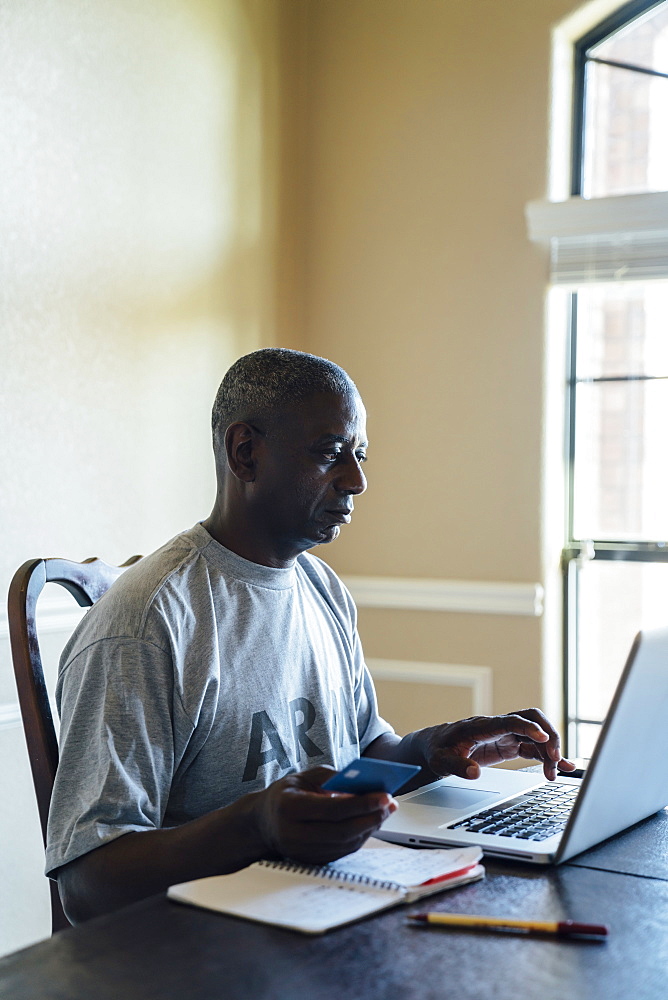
623	238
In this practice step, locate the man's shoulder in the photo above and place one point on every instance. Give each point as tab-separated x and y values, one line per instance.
161	577
326	581
149	574
316	567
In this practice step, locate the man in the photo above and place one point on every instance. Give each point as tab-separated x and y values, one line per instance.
199	692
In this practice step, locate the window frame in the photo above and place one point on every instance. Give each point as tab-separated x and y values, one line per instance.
613	22
577	550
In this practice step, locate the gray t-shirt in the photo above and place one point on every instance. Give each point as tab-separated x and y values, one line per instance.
198	677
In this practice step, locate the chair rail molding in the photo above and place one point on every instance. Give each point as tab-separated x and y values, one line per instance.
457	596
396	593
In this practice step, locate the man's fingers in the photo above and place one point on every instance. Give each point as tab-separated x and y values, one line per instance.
458	748
512	724
313	778
535	751
327	846
302	799
530	724
297	819
320	828
338	835
444	762
554	743
334	807
528	748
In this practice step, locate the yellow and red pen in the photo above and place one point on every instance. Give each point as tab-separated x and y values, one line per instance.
562	928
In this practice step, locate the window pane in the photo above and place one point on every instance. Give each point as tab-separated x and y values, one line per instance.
620	487
620	475
625	137
644	42
621	330
615	600
585	740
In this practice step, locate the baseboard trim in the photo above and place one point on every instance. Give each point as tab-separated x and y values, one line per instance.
477	679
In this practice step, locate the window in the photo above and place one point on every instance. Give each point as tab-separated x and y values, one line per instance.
609	244
615	560
620	145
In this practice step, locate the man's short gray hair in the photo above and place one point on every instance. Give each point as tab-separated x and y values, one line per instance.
266	381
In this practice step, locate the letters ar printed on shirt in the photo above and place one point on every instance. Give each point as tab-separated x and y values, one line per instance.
303	716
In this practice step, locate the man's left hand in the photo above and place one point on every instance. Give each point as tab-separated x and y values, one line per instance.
461	747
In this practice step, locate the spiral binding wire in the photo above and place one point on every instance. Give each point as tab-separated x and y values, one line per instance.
325	872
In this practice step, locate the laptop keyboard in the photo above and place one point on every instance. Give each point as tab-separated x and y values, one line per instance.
536	815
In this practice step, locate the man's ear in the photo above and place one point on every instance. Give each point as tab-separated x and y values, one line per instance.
240	445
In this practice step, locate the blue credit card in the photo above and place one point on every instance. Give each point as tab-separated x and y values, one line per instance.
369	775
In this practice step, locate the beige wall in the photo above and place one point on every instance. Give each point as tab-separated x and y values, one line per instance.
428	126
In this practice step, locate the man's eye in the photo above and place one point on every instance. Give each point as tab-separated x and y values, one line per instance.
335	456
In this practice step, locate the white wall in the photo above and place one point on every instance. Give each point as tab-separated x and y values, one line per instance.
139	171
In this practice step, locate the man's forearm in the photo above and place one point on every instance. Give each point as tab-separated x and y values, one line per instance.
407	750
140	864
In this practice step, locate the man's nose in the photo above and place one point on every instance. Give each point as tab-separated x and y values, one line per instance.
351	479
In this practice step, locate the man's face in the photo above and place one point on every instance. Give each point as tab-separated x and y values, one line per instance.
309	469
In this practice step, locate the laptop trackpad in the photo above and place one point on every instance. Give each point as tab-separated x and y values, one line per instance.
451	797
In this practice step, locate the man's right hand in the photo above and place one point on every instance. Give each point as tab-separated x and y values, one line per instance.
297	819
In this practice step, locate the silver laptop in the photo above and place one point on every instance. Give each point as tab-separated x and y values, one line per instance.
520	815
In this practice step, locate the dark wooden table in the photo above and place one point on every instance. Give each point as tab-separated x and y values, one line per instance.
159	949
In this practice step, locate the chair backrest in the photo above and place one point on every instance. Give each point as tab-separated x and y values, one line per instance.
87	582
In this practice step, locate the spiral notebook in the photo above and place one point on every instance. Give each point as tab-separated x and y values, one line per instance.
313	899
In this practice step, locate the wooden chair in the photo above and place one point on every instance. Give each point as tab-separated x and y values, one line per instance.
87	582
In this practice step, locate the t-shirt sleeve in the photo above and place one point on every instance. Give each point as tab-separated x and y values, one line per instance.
370	725
123	730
